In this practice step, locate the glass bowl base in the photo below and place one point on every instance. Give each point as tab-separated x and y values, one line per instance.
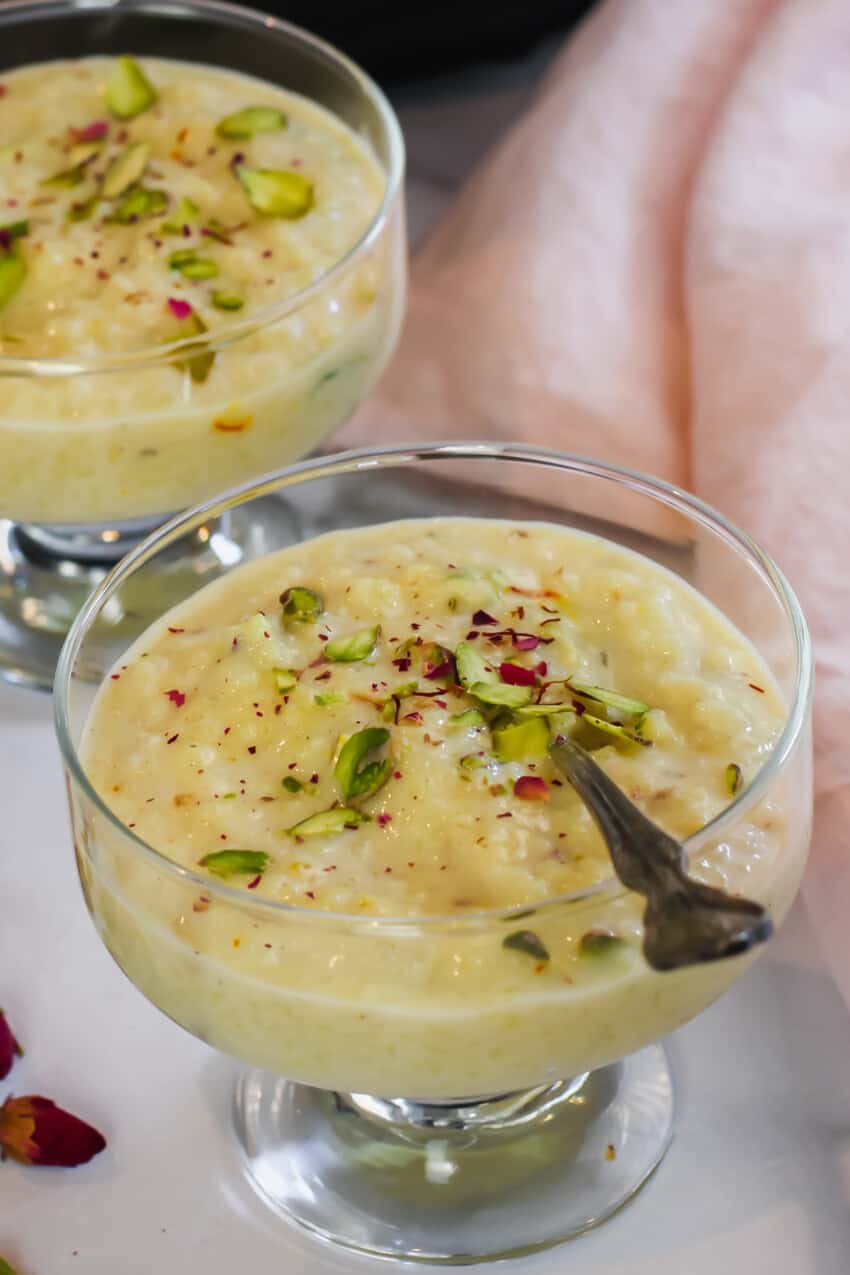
461	1182
46	574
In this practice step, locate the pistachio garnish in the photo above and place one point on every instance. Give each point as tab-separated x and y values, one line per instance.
614	728
229	863
471	668
301	604
328	822
327	699
611	699
353	779
13	271
291	784
251	120
12	231
521	740
66	177
83	209
196	357
596	943
734	778
285	679
276	193
191	266
473	761
528	942
186	212
501	693
128	89
226	301
138	203
359	646
469	719
125	169
83	153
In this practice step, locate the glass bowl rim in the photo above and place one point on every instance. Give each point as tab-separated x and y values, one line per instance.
231	330
370	458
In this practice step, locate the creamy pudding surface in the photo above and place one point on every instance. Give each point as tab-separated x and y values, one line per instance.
148	201
359	724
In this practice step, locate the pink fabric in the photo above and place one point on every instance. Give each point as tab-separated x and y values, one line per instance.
653	267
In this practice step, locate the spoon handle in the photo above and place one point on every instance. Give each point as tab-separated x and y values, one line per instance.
685	922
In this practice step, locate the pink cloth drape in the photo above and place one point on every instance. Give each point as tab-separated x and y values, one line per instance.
653	266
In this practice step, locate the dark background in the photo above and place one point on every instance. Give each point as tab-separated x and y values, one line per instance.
408	38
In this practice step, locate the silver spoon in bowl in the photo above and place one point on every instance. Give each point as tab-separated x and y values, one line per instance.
685	922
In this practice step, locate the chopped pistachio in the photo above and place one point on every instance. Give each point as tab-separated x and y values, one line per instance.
598	943
611	699
191	266
501	693
734	778
136	204
471	668
528	942
545	710
186	212
125	170
358	646
327	699
225	301
276	193
613	728
227	863
285	679
83	153
353	779
469	719
83	209
14	230
65	177
128	89
195	358
13	271
521	740
328	822
473	761
251	120
291	784
302	604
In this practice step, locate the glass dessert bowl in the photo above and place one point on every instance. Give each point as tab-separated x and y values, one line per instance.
464	1081
202	274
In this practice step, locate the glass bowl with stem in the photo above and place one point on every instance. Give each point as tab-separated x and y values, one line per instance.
411	1088
101	442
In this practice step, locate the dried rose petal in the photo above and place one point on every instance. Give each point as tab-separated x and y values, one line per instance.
526	641
9	1047
94	132
516	675
35	1131
446	669
531	788
176	697
180	309
482	618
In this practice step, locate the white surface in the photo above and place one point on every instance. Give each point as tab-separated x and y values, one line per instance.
758	1178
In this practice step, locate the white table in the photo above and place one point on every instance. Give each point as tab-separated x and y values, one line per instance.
758	1179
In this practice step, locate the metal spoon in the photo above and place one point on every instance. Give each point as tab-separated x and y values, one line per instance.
685	922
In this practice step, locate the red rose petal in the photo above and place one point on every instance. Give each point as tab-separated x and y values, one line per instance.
180	309
482	619
35	1131
526	641
94	132
531	788
446	669
9	1047
516	675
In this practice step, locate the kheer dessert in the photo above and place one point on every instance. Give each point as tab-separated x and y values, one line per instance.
147	202
358	725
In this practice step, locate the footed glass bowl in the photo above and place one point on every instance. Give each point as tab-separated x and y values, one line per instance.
411	1089
97	450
